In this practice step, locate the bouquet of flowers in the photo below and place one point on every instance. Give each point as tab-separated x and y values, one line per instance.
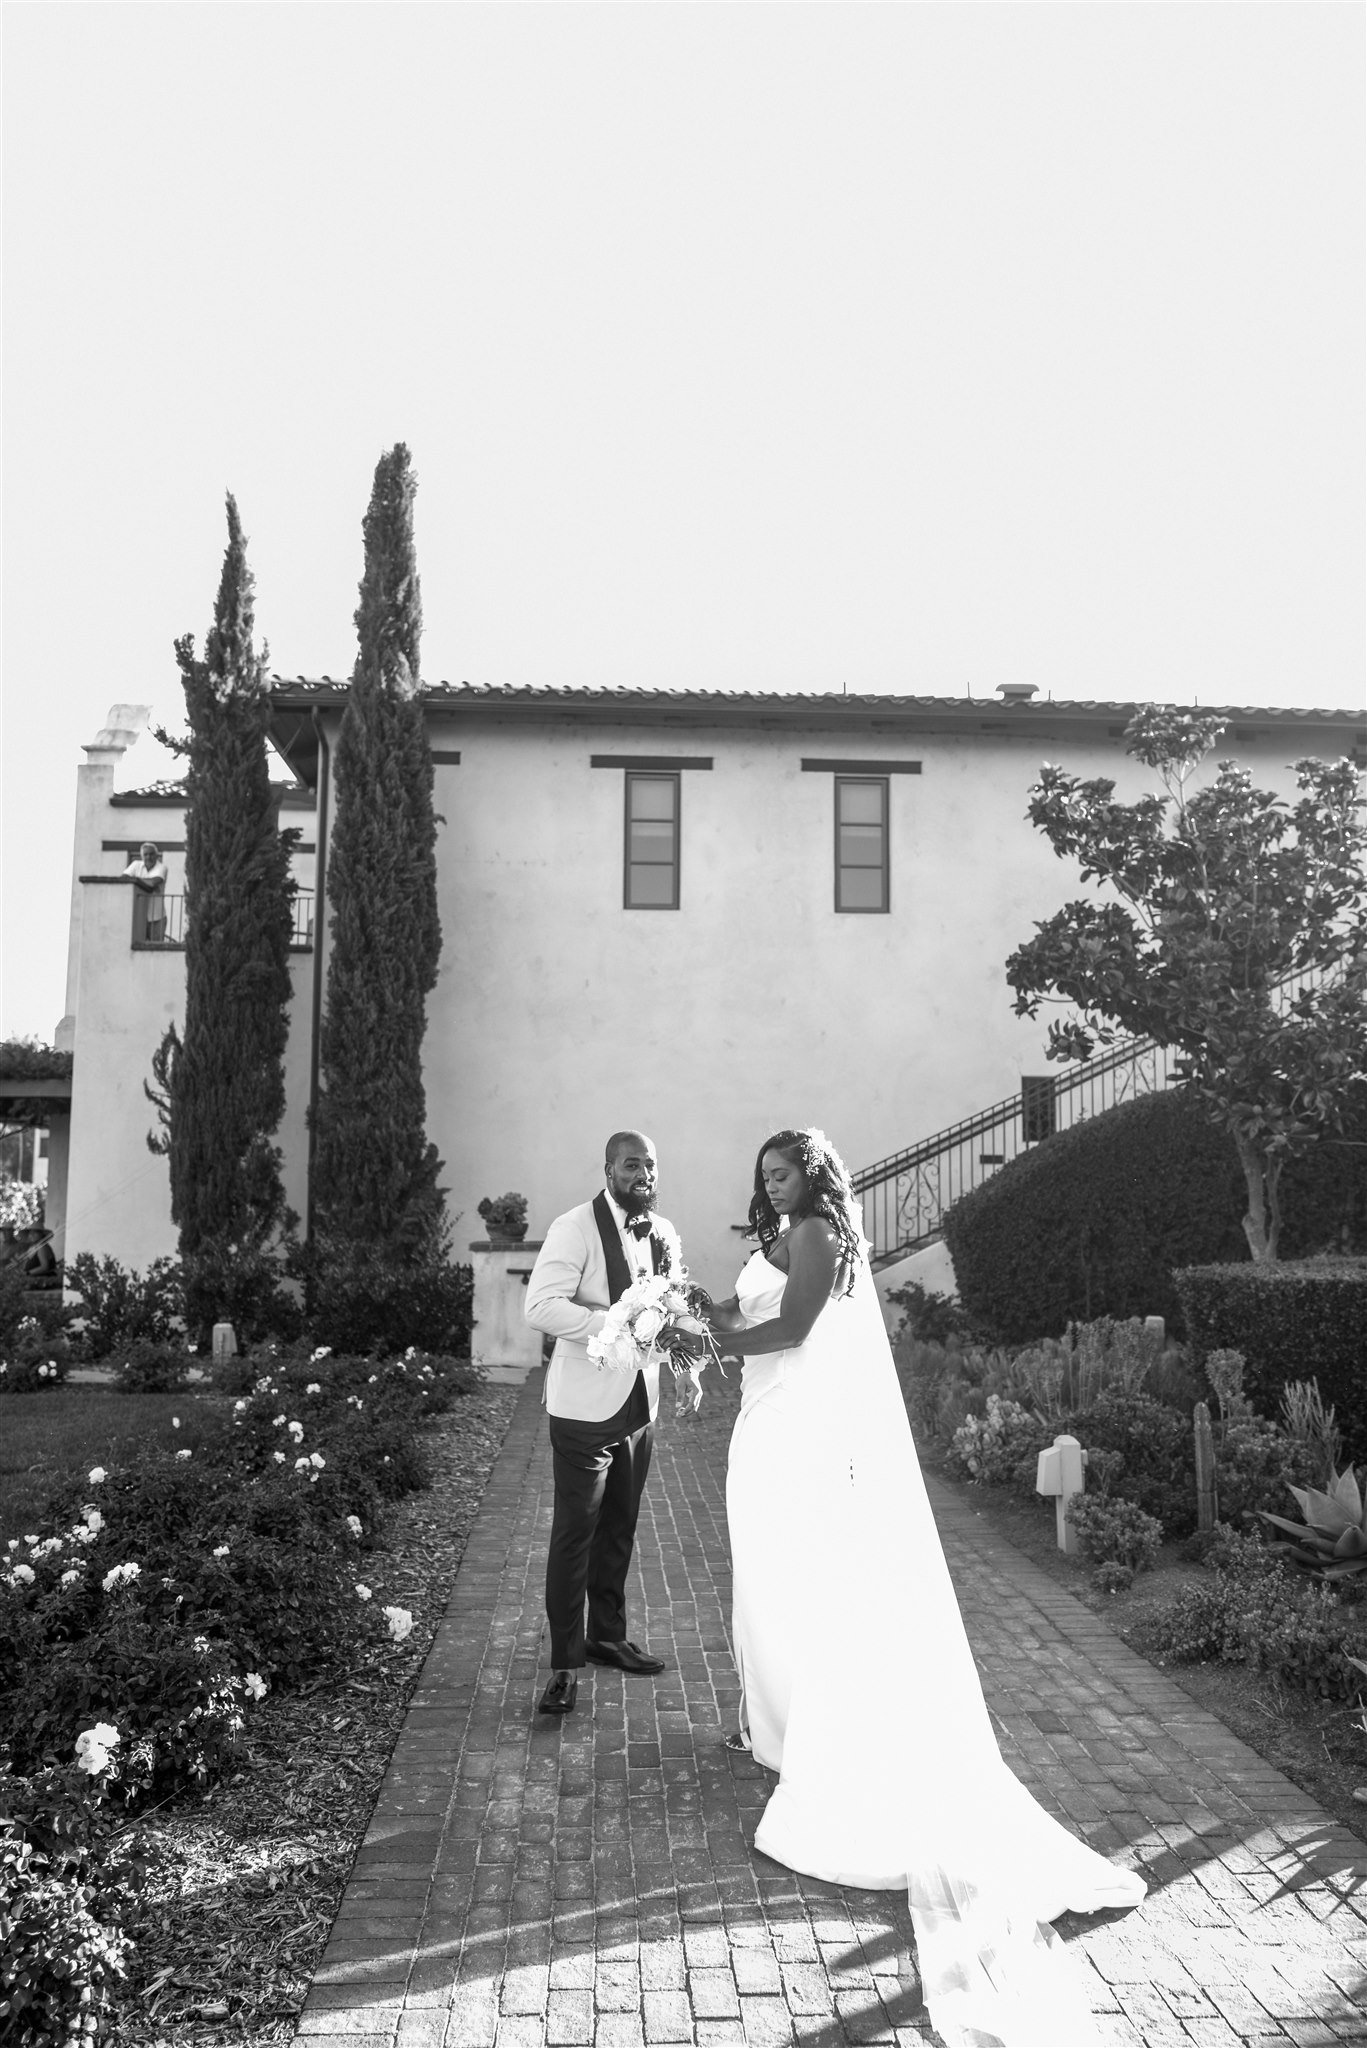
645	1323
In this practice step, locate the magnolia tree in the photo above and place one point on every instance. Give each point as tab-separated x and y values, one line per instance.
1228	925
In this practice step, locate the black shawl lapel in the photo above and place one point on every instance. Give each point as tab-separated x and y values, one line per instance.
619	1273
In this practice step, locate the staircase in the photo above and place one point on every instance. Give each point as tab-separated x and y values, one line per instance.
905	1196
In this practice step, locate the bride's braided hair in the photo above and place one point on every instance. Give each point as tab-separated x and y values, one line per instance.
829	1195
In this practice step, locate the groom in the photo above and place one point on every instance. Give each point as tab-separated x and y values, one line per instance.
601	1427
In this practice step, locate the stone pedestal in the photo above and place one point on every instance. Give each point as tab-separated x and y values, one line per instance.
501	1340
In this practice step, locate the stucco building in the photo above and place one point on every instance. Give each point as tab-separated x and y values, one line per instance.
703	913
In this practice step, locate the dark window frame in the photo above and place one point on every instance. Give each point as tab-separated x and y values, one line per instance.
881	783
629	779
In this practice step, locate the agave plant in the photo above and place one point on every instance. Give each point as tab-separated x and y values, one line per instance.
1332	1540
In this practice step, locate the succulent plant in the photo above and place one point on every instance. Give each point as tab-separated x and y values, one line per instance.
1332	1540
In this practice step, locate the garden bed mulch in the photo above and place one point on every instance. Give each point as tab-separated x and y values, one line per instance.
244	1883
1318	1744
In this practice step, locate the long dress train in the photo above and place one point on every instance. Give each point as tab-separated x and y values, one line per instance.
859	1688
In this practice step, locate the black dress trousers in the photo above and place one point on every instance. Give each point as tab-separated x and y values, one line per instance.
600	1471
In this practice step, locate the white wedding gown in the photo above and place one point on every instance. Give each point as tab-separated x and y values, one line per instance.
858	1686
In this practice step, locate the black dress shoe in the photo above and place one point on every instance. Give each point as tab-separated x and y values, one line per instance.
560	1695
626	1656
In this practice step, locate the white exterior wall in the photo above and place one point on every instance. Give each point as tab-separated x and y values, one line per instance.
559	1015
116	1195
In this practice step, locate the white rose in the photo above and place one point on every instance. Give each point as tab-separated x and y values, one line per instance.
94	1746
353	1523
400	1623
363	1593
254	1685
647	1325
96	1475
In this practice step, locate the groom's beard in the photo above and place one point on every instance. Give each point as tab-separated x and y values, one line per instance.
637	1201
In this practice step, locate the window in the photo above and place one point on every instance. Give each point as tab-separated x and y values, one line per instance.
861	842
652	855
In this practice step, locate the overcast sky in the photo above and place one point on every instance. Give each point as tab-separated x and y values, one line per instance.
909	347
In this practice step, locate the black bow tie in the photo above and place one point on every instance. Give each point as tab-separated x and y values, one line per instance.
639	1226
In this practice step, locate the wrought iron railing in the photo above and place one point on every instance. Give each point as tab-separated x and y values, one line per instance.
905	1195
159	921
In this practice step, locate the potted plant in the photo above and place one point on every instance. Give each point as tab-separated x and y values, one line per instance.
505	1218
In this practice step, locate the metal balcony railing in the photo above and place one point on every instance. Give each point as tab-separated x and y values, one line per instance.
159	922
905	1195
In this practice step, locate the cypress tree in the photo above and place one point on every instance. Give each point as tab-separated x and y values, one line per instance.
375	1174
223	1082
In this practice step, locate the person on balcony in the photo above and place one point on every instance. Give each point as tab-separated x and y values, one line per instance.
148	875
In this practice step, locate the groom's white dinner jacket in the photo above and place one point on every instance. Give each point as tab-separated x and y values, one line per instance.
568	1298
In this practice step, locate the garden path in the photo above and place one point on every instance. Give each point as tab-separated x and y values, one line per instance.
591	1883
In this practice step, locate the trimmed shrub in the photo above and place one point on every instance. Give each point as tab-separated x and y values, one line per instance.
1291	1322
1255	1463
1120	1539
1093	1221
148	1367
1141	1451
374	1305
119	1307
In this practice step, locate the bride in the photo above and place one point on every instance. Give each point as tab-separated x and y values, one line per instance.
857	1682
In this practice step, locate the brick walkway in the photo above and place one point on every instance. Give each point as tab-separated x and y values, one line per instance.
528	1883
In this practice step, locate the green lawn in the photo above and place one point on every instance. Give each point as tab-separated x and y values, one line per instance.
46	1437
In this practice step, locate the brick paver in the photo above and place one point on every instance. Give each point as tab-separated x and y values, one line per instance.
590	1883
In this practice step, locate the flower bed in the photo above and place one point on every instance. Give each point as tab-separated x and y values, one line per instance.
158	1603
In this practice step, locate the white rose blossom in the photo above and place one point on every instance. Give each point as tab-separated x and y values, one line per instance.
95	1747
353	1523
96	1475
279	1457
69	1578
313	1388
363	1593
22	1575
254	1685
183	1454
120	1575
221	1551
400	1623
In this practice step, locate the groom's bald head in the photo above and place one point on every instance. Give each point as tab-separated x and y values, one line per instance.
627	1141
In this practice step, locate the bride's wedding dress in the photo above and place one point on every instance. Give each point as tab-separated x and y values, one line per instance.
859	1688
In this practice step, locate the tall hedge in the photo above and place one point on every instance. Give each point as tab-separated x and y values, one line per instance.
1094	1220
1292	1321
223	1079
375	1174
